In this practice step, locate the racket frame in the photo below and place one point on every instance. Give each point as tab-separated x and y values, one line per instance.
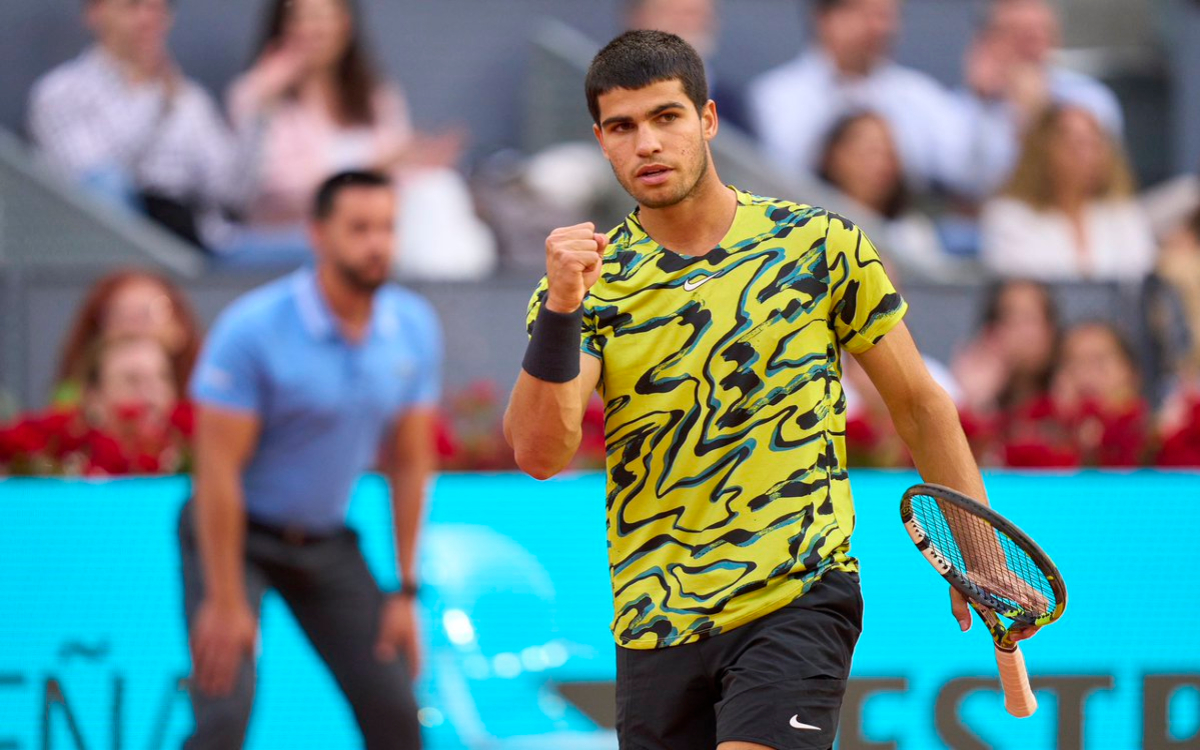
1019	699
959	580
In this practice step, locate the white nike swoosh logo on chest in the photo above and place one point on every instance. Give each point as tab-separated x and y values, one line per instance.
692	285
797	724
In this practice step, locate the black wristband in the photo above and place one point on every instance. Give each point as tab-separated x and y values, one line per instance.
553	351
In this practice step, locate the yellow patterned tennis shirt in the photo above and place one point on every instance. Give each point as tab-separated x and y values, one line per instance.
725	416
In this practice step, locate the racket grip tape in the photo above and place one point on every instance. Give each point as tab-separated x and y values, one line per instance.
1019	699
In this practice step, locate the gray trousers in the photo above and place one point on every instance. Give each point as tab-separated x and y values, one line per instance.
335	599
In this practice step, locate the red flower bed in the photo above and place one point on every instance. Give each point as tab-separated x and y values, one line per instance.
64	444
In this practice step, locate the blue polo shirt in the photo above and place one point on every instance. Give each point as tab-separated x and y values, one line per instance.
324	403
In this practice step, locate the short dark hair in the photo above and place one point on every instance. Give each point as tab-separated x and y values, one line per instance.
636	59
329	190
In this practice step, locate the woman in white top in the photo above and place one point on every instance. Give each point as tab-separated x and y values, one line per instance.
1068	213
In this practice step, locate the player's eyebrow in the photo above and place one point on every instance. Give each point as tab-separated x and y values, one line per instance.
652	113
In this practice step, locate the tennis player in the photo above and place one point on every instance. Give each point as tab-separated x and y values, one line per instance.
714	323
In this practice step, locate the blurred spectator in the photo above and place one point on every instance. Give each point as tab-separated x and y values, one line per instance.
1008	362
697	22
127	303
1094	414
1181	432
1174	324
860	160
1068	212
1010	80
322	107
130	420
848	69
122	119
1179	267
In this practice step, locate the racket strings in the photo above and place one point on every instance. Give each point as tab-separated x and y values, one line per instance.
987	557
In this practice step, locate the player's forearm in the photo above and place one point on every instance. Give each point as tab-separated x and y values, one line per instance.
220	516
931	429
543	424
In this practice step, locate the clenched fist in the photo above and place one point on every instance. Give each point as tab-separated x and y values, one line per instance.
574	256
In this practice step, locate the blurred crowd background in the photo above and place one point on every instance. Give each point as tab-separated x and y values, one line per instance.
1028	169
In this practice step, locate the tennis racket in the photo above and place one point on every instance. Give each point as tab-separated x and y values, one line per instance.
996	566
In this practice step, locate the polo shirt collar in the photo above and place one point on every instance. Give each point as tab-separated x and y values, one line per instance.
319	320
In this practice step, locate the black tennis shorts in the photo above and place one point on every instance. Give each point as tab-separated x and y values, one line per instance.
777	681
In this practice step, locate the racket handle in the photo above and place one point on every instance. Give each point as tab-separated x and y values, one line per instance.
1019	699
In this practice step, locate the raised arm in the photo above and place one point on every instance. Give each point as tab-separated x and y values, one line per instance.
543	422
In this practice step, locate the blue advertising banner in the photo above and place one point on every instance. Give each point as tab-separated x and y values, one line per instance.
93	649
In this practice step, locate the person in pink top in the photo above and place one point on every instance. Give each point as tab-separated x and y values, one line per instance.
319	106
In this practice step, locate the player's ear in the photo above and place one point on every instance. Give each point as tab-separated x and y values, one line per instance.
316	236
709	121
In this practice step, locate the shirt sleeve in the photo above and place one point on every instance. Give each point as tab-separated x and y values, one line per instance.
425	388
591	342
230	372
864	304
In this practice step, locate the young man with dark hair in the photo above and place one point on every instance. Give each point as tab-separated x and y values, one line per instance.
301	386
713	323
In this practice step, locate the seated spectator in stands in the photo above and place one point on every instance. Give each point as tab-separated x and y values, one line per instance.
1007	364
1174	317
128	303
860	161
1094	414
130	421
697	22
1010	80
1068	212
322	108
848	69
122	119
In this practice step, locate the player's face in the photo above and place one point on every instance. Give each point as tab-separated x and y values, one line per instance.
358	237
656	141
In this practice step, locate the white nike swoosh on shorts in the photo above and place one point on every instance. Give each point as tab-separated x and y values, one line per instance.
797	724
